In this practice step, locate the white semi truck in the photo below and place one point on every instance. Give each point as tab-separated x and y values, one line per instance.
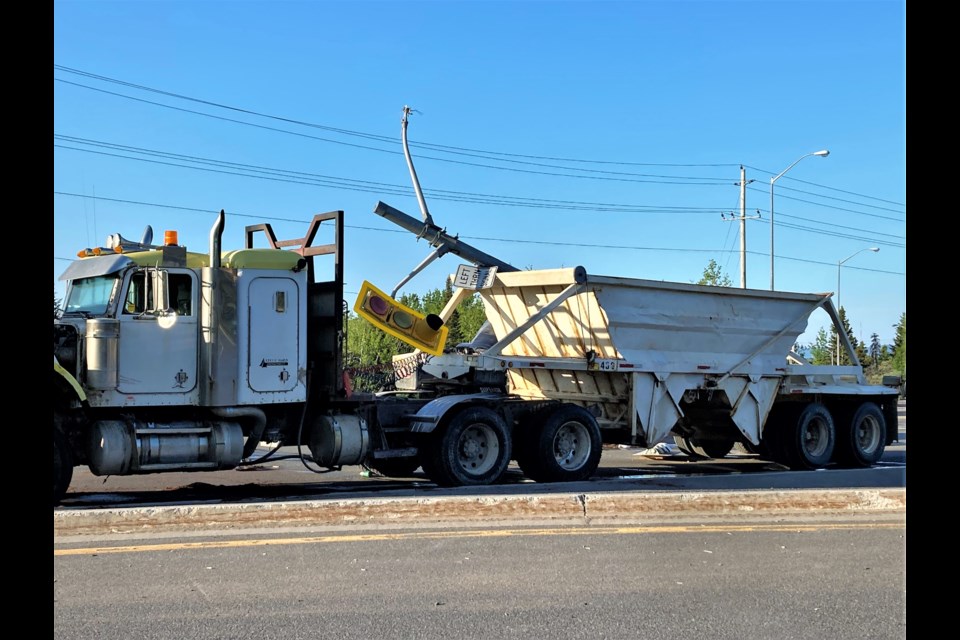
170	360
173	360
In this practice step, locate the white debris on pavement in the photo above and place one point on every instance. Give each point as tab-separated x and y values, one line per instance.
660	449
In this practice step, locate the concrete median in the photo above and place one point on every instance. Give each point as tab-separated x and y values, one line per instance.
576	508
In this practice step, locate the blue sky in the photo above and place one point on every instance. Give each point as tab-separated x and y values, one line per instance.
549	134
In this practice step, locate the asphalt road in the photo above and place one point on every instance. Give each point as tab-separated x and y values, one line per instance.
653	548
806	579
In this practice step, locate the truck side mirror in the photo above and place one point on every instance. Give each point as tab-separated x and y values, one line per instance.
160	298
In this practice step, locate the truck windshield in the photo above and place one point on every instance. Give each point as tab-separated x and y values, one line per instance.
90	296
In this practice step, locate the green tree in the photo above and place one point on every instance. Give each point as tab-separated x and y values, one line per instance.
57	310
820	352
369	344
900	346
878	360
858	348
434	301
472	316
411	300
879	354
368	357
465	320
713	275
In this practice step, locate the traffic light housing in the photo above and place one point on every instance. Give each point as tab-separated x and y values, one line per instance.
424	332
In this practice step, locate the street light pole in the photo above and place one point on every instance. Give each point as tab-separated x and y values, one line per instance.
823	154
840	264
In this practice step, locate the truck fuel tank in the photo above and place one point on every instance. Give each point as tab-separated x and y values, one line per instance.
126	447
102	343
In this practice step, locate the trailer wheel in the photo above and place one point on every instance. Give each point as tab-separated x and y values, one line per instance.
565	448
861	437
806	442
474	449
62	466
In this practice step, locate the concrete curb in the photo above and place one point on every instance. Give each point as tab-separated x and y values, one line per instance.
582	508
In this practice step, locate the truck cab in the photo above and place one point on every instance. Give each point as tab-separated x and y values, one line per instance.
166	359
151	299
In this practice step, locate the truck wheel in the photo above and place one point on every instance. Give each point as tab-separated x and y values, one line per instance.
565	448
808	441
861	436
474	449
62	466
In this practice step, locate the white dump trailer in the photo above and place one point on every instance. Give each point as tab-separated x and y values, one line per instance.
707	366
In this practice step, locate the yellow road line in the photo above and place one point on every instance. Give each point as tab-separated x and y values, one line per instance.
488	533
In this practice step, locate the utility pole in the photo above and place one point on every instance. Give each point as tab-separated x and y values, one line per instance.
743	226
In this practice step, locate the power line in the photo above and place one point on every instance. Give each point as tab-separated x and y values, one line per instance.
309	179
837	234
301	177
444	148
684	180
482	238
825	206
352	184
833	224
438	147
822	186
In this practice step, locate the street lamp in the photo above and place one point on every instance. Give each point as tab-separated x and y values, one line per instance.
840	264
823	154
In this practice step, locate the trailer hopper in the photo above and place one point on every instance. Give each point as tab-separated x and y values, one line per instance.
631	349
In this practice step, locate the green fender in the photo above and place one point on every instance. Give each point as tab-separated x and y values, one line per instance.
68	379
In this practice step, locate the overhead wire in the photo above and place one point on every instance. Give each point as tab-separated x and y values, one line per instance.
610	174
364	186
358	185
370	186
465	237
492	155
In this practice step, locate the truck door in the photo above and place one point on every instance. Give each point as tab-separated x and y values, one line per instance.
153	359
274	348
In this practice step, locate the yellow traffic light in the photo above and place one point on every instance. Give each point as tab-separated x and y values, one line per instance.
425	332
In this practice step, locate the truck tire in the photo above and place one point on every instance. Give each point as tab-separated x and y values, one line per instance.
62	466
566	447
473	449
861	436
802	439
